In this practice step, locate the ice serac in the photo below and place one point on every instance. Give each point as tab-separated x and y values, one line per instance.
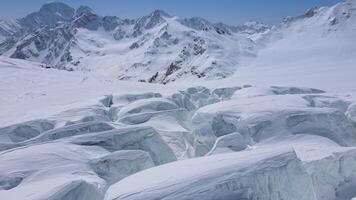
258	119
277	175
169	120
334	177
351	113
53	171
252	143
142	110
196	97
9	181
323	101
34	136
121	164
228	143
129	98
72	130
132	138
25	131
95	113
77	190
295	90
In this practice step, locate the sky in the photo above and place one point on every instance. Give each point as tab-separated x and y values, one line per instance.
232	12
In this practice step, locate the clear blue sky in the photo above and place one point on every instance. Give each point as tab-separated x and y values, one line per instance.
228	11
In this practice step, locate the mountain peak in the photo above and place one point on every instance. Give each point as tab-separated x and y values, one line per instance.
84	10
256	25
197	23
55	6
160	13
48	15
251	27
87	18
153	19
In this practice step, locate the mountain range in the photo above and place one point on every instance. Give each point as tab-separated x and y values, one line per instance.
155	48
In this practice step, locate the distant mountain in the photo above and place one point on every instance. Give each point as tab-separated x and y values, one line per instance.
157	47
9	27
318	22
315	48
48	15
154	48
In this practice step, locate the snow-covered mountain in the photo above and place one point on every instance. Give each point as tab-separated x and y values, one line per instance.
8	28
49	15
162	48
316	48
282	126
154	48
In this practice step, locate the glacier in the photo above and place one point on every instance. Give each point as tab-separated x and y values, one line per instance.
102	108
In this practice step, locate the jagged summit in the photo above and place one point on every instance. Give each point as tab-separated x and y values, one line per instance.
85	17
49	14
84	10
160	13
56	6
197	23
155	18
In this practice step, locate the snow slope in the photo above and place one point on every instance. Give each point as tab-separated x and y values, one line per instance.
316	49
